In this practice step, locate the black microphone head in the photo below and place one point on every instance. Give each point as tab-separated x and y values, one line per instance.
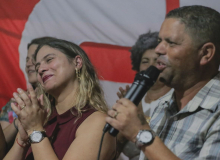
152	73
139	76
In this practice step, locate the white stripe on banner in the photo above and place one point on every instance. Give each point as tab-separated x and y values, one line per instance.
110	89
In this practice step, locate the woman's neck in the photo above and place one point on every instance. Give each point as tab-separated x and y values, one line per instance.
66	99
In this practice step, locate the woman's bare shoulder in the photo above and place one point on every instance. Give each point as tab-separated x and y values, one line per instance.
95	121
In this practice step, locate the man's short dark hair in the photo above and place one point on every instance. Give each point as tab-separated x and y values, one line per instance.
202	23
145	42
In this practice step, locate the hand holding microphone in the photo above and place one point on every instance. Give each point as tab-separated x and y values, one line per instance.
142	83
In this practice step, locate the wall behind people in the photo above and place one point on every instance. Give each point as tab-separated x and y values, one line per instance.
112	22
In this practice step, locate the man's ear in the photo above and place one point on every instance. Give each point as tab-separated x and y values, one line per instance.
78	62
207	53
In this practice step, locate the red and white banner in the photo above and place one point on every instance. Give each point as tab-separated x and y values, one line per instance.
115	22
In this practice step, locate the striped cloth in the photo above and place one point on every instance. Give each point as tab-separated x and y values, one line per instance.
193	132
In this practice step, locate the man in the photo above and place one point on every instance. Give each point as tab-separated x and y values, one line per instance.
187	124
142	57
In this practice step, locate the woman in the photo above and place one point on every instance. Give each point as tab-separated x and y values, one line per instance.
74	128
143	56
8	118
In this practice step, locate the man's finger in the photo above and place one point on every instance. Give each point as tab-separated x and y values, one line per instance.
113	122
112	113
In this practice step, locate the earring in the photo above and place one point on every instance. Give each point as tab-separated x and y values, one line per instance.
78	74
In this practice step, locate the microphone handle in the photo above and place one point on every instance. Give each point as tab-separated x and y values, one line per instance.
132	89
135	98
128	95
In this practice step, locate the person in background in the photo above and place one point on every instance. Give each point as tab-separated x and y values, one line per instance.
143	56
8	118
187	124
70	127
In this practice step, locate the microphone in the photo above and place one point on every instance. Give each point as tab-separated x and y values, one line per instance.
128	95
142	83
134	85
148	78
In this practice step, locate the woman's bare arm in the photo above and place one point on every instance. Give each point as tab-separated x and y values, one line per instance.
87	141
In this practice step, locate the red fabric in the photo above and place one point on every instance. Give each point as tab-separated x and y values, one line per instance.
112	62
61	130
13	16
172	4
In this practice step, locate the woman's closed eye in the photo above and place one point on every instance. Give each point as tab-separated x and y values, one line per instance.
49	59
145	61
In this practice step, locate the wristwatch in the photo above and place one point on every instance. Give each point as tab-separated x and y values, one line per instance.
37	136
144	138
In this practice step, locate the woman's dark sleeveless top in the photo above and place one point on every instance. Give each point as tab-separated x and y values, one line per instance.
61	130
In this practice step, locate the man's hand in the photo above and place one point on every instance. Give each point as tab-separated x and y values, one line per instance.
125	117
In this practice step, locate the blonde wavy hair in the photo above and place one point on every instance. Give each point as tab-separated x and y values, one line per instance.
89	91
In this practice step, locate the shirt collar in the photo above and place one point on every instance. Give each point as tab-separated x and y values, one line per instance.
207	98
64	117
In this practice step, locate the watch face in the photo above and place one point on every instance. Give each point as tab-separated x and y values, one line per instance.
36	136
146	136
